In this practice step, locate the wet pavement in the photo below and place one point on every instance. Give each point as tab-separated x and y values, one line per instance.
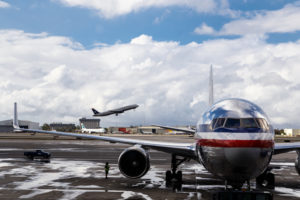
76	171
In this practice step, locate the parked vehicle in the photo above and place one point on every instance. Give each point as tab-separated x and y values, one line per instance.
37	154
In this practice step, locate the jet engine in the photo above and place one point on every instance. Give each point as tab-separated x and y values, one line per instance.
297	162
134	162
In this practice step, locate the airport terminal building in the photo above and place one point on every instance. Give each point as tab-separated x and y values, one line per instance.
90	123
6	126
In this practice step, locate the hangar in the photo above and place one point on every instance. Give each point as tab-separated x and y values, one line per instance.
62	127
90	123
7	125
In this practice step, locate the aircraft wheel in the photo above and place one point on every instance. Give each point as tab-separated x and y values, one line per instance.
179	186
236	185
270	178
260	180
266	180
168	178
179	176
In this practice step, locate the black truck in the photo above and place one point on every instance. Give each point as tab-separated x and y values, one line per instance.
39	154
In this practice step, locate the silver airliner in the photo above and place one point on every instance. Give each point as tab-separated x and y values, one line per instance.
234	140
91	130
116	111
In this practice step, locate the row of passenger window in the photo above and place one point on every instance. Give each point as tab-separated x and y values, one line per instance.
239	123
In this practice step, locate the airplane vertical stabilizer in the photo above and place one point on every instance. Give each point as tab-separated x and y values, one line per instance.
15	120
211	87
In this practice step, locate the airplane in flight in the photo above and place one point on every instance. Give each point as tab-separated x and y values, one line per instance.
116	111
234	140
91	130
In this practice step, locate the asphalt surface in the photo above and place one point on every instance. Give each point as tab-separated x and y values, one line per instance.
76	171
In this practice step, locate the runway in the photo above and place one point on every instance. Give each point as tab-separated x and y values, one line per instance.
76	171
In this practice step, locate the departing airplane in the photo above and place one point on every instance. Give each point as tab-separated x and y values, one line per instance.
91	130
114	111
234	141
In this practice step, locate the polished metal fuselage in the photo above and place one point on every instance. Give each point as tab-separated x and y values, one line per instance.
232	155
235	164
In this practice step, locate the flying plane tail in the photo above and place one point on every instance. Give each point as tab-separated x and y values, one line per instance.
15	119
95	111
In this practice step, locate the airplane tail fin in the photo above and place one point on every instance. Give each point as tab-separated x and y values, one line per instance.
15	120
211	87
95	111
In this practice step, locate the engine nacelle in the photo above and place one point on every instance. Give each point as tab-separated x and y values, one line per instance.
134	162
297	162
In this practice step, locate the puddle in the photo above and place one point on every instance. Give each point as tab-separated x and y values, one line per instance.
288	192
59	175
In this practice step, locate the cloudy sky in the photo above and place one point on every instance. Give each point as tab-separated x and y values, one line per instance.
59	58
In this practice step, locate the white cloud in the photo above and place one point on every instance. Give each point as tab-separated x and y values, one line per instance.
114	8
158	20
204	29
284	20
56	79
4	4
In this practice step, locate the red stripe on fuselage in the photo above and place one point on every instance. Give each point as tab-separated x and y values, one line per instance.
236	143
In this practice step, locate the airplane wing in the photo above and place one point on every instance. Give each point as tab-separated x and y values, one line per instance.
286	147
187	150
189	131
181	149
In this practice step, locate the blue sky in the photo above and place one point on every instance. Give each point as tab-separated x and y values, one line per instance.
176	23
59	58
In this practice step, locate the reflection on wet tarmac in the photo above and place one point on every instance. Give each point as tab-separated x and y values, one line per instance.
75	179
76	171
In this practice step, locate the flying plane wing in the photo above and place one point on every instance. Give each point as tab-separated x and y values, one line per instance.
189	131
286	147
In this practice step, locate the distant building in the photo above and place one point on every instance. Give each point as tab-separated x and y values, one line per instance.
151	130
90	123
7	125
292	132
62	127
119	130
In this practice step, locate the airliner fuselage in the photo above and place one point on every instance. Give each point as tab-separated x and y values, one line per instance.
234	140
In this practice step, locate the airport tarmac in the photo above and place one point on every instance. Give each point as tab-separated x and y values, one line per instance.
76	171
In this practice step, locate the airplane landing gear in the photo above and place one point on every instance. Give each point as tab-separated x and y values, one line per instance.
266	180
174	178
237	193
234	185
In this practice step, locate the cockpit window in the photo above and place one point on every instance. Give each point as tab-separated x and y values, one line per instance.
249	123
240	123
262	123
219	123
232	123
213	123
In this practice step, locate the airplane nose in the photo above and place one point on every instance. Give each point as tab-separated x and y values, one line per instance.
246	163
242	158
236	164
